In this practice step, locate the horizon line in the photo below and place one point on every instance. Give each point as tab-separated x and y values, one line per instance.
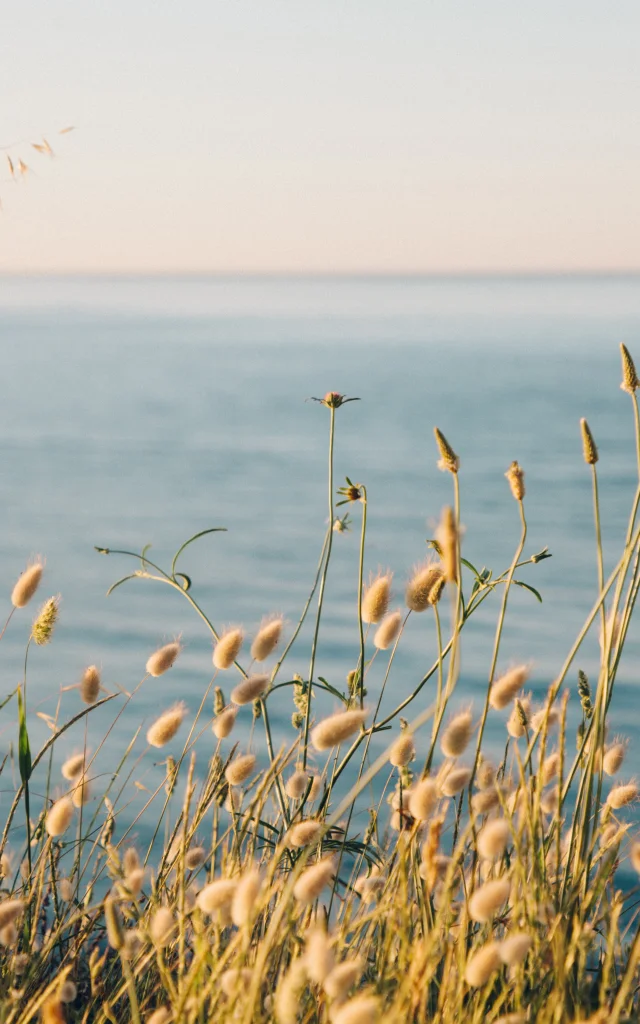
363	274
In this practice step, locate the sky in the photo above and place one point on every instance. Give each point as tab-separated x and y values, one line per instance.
341	136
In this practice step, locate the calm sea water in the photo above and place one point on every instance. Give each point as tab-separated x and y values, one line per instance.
139	411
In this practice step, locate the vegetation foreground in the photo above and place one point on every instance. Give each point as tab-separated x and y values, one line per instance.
477	892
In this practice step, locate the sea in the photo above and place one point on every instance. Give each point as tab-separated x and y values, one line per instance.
139	411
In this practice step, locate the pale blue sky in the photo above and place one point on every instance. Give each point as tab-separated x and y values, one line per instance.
282	135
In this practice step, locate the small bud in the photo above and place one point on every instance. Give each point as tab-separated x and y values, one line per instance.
584	692
588	444
630	382
27	585
515	476
613	758
449	461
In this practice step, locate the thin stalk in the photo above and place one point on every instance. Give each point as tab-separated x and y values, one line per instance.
363	534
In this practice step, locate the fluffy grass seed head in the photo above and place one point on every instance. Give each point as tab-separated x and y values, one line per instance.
67	992
27	584
250	689
403	750
73	767
303	833
162	659
217	895
634	856
375	599
449	461
493	839
267	638
234	979
90	685
82	792
507	686
115	931
488	899
224	722
482	965
314	879
163	927
228	647
297	783
160	1016
630	382
514	948
614	757
318	955
622	794
59	817
589	449
342	978
368	887
388	630
425	586
43	624
239	770
166	726
519	719
515	476
243	904
423	799
286	1003
195	857
455	781
336	728
456	736
447	536
10	911
362	1009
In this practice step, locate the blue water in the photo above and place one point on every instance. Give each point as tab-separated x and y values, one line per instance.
137	411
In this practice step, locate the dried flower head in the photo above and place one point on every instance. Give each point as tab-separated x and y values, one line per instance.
449	461
228	647
336	728
493	839
482	965
614	757
403	750
195	857
224	722
43	625
342	978
297	783
267	638
630	382
250	689
162	659
314	879
163	927
59	816
303	833
27	584
455	780
425	586
73	767
515	947
319	956
622	794
217	896
166	726
375	599
515	476
423	799
90	685
456	736
504	689
589	448
388	630
239	770
488	898
243	904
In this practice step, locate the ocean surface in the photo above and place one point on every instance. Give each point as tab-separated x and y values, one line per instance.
140	411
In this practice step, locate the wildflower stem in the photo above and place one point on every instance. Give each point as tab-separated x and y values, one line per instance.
363	534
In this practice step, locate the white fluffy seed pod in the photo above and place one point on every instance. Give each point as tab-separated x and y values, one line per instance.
369	887
166	726
403	750
224	723
375	599
336	728
319	956
423	799
388	630
482	965
162	659
342	978
485	801
613	758
515	725
550	767
622	794
634	856
303	833
493	839
250	689
514	948
59	816
217	896
507	686
455	781
456	736
235	979
10	910
27	585
297	783
314	879
227	648
359	1010
67	992
160	1016
90	684
239	770
73	767
267	638
488	899
163	927
194	857
243	904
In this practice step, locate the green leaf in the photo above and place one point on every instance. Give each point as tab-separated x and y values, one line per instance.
24	751
526	586
472	567
196	536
